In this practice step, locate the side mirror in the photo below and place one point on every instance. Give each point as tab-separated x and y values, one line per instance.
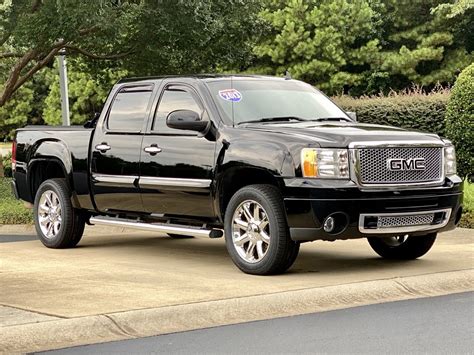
91	123
187	120
352	115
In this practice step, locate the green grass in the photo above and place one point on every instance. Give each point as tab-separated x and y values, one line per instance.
468	197
468	216
12	211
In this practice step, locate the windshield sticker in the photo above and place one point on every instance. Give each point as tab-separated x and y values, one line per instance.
230	95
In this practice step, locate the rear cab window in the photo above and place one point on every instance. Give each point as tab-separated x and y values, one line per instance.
129	108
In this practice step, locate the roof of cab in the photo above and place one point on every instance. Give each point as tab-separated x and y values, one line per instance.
205	77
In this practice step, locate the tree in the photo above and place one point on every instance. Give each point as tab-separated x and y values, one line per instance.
16	111
367	46
33	32
327	42
422	42
26	105
87	92
144	36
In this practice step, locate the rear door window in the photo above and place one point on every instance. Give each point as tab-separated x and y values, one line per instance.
129	109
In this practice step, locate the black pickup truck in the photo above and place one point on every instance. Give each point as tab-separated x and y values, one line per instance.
268	162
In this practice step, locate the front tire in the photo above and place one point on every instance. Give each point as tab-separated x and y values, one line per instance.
403	247
256	231
57	223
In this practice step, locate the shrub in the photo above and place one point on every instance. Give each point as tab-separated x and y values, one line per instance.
411	109
7	165
12	211
460	121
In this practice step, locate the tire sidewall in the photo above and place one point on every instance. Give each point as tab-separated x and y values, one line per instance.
242	195
413	248
66	208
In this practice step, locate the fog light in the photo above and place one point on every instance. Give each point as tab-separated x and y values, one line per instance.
329	224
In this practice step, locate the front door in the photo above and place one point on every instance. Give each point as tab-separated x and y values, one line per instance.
116	148
177	165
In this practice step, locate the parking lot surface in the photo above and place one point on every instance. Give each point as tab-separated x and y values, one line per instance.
122	276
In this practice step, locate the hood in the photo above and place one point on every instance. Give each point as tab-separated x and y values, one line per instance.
341	134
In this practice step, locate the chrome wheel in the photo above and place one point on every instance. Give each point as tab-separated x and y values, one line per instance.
395	241
251	231
49	214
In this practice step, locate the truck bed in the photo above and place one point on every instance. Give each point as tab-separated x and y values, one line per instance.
68	146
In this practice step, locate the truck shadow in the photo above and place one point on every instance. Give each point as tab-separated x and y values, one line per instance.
213	252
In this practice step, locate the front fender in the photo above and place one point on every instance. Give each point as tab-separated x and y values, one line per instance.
270	156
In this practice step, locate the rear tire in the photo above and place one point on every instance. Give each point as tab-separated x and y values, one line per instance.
57	223
256	232
408	248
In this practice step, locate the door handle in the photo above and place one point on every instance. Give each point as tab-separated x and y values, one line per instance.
103	147
153	149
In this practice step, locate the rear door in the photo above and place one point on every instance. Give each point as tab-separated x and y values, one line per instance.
176	176
116	148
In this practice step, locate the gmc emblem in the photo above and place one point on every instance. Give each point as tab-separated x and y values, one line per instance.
400	164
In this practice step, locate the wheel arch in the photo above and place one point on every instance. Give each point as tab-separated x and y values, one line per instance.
49	160
234	178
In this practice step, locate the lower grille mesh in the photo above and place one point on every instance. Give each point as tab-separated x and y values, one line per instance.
403	221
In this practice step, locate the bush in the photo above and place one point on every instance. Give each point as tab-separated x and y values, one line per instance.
12	211
7	165
411	109
460	121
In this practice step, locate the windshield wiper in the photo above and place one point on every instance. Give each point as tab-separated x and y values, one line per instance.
275	119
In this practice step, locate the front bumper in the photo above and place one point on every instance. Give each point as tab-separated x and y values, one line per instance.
309	202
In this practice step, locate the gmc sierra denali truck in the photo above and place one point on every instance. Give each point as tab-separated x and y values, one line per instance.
268	162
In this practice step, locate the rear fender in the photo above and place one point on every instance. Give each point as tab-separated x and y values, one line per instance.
52	151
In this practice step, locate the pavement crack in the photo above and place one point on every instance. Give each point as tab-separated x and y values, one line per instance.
119	327
408	289
34	311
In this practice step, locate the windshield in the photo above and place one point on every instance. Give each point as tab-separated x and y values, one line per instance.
241	101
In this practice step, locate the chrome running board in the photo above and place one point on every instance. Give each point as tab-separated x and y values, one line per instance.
158	227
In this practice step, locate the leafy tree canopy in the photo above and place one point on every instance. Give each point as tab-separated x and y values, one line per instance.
87	92
425	41
364	46
324	42
142	36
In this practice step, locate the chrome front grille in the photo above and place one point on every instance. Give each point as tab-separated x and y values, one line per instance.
401	221
373	165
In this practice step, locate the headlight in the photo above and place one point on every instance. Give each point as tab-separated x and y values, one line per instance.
450	160
325	163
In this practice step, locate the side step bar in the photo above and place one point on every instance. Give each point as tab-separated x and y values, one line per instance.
157	227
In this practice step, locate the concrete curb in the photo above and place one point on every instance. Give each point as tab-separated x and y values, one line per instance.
62	333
